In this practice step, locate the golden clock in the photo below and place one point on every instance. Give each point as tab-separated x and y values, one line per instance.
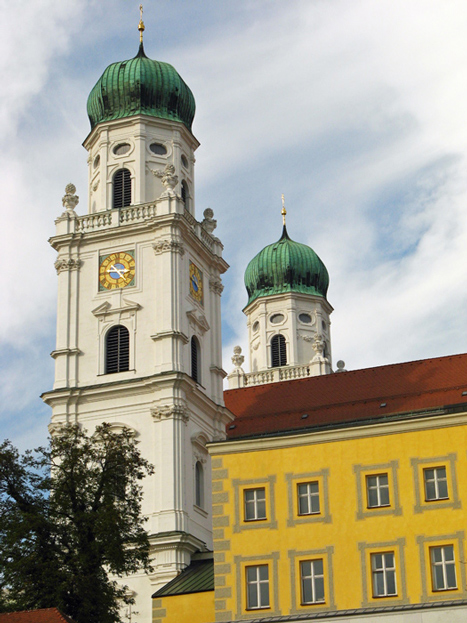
196	283
116	270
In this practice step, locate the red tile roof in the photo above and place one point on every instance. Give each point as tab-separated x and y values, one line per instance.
43	615
345	397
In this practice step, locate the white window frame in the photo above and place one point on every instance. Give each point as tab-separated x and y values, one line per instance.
309	496
256	583
385	570
436	480
252	507
378	487
312	578
444	563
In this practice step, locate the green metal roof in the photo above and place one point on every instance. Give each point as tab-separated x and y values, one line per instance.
196	578
141	86
286	266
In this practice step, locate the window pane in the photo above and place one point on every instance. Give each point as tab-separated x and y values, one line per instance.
448	552
305	567
252	596
436	554
313	487
319	589
303	506
430	490
372	497
378	579
251	574
318	567
261	510
451	576
315	504
263	572
377	561
391	582
442	489
438	577
389	559
264	594
249	496
307	594
384	495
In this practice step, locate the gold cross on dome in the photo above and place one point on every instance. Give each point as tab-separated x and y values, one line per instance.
283	211
141	23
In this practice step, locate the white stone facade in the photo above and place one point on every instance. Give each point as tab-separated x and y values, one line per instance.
172	415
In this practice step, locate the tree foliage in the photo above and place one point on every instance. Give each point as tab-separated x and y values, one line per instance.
70	517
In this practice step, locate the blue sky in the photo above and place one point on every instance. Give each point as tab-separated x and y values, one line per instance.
354	109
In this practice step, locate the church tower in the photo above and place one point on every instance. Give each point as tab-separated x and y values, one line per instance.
288	315
139	288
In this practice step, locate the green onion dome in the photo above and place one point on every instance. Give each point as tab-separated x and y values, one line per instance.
141	86
286	266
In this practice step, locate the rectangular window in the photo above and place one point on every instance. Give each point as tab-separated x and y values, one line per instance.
308	498
436	484
312	581
377	490
383	570
257	587
443	568
255	504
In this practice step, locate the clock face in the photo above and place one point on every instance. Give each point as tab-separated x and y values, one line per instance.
196	283
117	270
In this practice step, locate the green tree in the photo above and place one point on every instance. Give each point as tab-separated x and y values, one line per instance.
70	517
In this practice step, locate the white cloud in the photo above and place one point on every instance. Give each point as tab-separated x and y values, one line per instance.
353	109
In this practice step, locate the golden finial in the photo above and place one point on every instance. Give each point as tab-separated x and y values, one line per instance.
283	211
141	23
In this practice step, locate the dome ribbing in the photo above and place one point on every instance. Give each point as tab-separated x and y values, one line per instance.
286	266
141	86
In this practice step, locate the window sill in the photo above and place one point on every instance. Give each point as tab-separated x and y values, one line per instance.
200	510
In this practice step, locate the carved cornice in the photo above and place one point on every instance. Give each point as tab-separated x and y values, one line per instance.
176	335
67	264
215	285
176	412
106	308
65	351
164	246
198	320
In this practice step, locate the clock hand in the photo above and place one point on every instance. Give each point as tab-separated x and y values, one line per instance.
116	270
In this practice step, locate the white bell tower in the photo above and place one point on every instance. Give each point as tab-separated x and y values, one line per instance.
288	315
138	319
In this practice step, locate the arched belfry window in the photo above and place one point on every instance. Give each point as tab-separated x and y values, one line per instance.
195	360
199	484
278	351
122	188
117	350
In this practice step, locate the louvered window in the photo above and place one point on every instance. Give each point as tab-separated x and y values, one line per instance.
278	351
195	360
122	188
199	485
117	352
185	195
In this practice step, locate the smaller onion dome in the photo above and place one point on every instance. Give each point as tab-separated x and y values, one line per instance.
141	86
286	266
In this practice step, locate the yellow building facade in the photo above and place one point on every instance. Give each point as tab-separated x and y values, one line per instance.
366	518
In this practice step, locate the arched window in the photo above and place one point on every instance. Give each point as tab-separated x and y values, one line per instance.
278	351
199	484
122	189
185	195
117	350
195	360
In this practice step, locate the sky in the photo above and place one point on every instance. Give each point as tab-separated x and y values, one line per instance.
354	109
